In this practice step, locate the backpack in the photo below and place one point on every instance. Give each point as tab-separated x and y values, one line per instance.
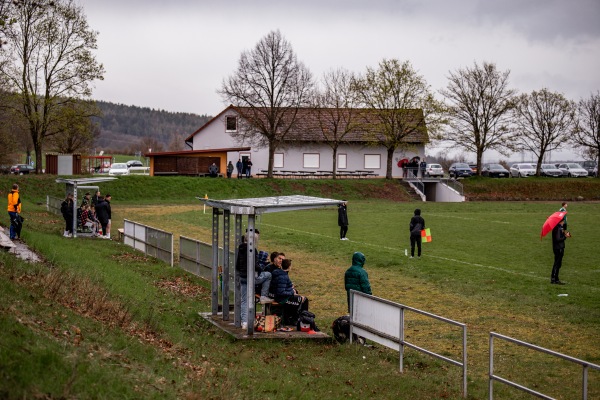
341	329
306	322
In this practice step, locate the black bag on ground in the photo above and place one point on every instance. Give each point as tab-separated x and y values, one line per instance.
341	329
306	319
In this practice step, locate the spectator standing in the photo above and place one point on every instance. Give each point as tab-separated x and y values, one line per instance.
559	236
213	170
14	209
248	168
356	277
343	219
229	169
66	208
563	208
95	198
417	224
261	278
423	166
103	213
245	167
239	166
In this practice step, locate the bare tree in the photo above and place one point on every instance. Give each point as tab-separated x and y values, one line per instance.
336	110
399	101
587	129
176	142
48	61
268	88
544	120
479	110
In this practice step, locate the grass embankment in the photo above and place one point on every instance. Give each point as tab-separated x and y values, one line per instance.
99	320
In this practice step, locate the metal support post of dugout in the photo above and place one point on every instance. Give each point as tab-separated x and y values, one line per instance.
225	276
215	262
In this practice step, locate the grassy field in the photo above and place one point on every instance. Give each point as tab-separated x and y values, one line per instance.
109	322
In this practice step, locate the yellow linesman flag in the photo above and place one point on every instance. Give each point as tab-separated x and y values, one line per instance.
425	235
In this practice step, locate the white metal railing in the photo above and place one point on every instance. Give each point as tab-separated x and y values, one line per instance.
151	241
493	377
453	184
383	321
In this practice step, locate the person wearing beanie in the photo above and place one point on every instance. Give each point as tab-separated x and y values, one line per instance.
356	277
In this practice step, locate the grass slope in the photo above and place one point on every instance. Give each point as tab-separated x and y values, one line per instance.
109	322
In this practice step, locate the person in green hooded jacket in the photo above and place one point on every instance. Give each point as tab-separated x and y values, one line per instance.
356	277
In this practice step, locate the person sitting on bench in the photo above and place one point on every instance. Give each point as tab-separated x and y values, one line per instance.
286	294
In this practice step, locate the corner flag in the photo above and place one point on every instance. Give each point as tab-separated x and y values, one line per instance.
425	235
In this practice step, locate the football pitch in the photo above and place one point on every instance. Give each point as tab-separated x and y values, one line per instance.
486	266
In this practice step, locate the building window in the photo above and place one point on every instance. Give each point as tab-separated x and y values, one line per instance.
342	161
278	160
230	124
311	160
372	161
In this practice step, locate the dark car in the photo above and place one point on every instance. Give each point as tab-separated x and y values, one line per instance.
134	163
460	170
590	166
494	171
4	169
21	169
550	170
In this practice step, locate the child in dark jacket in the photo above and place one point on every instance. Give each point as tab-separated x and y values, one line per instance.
285	293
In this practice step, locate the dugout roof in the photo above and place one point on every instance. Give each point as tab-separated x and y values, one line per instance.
264	205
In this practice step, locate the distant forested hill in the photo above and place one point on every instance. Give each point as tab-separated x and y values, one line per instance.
127	129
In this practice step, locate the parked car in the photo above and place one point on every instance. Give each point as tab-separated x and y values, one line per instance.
522	170
591	167
494	171
458	170
134	163
434	170
550	170
473	167
4	169
572	170
118	169
21	169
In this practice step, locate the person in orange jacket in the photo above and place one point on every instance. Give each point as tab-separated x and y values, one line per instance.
14	209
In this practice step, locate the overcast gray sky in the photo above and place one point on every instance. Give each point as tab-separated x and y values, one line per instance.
173	55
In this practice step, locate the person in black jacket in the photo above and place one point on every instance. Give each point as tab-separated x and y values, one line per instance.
343	219
417	224
262	278
285	293
103	213
559	235
66	208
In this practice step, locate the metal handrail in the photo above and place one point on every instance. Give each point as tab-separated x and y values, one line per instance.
453	184
586	365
